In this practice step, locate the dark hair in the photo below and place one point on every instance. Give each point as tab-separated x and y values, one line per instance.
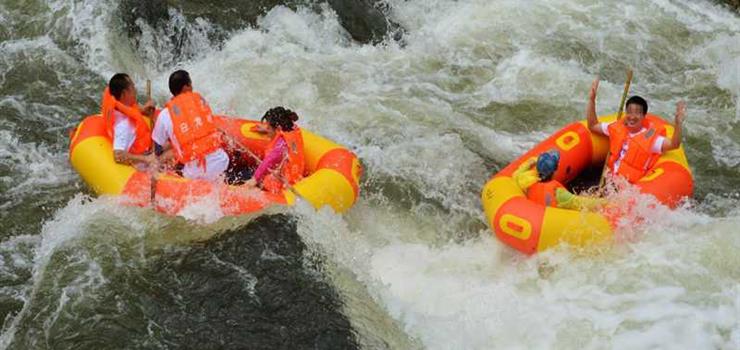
178	80
118	83
638	101
280	117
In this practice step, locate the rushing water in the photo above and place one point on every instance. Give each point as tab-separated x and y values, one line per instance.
470	86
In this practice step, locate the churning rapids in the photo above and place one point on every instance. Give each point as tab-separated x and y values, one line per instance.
434	96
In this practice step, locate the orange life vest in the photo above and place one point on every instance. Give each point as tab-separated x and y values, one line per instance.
638	158
192	127
143	141
292	167
544	192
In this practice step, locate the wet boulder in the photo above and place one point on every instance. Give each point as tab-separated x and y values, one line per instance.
365	20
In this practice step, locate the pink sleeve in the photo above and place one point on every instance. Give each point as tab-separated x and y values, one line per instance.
271	161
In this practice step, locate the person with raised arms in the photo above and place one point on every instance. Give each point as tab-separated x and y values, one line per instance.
635	144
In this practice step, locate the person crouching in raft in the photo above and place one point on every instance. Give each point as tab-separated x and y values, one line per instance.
187	127
125	122
284	163
541	188
635	144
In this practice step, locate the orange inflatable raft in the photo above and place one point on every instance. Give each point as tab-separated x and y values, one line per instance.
531	227
333	173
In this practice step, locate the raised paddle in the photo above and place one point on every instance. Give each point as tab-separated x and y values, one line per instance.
602	179
153	172
148	89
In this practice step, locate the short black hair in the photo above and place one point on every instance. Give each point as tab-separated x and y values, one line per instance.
178	80
637	100
118	83
280	117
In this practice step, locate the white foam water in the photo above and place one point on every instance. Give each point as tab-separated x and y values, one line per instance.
475	84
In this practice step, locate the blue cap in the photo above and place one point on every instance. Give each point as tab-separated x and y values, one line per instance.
547	163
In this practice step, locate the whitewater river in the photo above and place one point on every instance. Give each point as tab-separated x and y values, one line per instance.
467	87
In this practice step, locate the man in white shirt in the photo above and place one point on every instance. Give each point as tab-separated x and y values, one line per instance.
656	148
130	132
202	156
638	142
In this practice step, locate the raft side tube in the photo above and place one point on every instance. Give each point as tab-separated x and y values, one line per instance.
531	227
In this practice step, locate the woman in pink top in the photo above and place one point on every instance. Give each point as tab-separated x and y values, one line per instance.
279	121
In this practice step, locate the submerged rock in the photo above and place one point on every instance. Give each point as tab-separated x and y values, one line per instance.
733	4
255	287
364	20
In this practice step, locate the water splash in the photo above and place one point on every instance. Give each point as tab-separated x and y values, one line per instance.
476	84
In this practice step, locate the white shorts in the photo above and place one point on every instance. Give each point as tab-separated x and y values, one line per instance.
216	164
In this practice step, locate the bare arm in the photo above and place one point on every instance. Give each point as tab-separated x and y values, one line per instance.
593	122
124	157
168	156
675	141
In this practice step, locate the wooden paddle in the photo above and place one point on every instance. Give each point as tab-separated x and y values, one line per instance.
148	89
153	172
602	180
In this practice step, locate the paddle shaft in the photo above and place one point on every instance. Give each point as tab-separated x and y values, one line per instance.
602	179
153	174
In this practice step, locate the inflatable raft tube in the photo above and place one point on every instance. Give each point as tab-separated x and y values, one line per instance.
531	227
333	173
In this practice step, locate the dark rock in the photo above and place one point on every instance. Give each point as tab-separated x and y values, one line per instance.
252	288
364	20
733	4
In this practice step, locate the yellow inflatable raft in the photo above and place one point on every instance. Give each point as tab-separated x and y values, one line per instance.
531	227
333	173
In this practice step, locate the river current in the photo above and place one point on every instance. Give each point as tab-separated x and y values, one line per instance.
455	91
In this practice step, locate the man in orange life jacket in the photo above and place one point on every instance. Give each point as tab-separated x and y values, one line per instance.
634	143
186	131
541	188
125	123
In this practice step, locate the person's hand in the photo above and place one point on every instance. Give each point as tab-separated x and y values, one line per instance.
166	159
148	109
150	159
529	163
146	162
250	183
594	88
680	112
259	128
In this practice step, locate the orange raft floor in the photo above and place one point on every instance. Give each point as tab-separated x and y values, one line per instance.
333	173
531	227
